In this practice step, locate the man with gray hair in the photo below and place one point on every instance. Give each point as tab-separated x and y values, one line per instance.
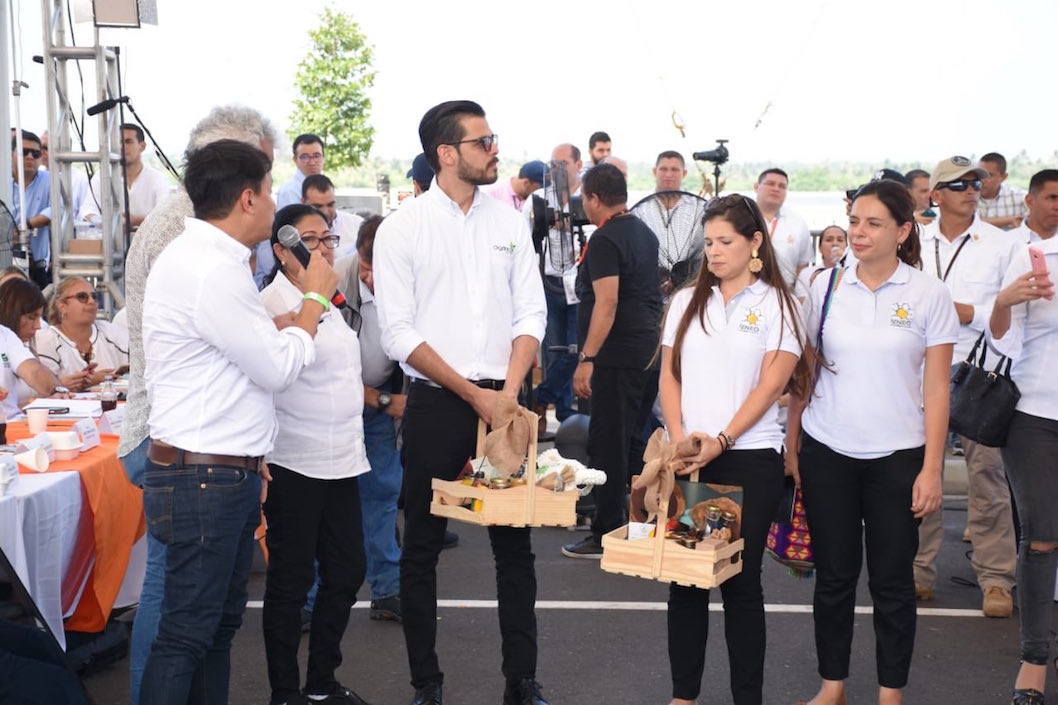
158	229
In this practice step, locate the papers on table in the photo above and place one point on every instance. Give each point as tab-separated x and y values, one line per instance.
76	408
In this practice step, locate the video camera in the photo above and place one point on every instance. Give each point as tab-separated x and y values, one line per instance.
717	156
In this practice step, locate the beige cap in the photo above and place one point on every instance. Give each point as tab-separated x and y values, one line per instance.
953	169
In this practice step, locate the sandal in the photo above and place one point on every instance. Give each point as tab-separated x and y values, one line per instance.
1027	696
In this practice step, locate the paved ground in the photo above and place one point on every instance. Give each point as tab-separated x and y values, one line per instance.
592	653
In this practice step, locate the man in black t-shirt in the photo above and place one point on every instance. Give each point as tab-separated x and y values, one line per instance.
617	329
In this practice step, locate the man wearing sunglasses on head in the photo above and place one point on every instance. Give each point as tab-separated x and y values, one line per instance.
38	203
970	257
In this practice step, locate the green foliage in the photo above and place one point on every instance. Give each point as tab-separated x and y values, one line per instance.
332	81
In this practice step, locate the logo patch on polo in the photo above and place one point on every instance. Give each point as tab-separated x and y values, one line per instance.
901	317
752	322
509	249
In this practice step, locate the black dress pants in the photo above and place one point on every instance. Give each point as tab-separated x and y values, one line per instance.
847	499
310	519
760	473
440	435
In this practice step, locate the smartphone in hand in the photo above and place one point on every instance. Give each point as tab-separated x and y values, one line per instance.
1039	264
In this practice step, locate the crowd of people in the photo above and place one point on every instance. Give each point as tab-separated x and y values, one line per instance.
353	359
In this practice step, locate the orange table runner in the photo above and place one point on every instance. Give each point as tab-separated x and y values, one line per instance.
116	507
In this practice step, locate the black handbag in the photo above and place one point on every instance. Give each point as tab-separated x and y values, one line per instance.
982	401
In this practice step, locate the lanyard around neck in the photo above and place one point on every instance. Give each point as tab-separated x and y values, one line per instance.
936	256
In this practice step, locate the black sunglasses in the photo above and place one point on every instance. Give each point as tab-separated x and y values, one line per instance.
961	185
485	142
28	152
84	296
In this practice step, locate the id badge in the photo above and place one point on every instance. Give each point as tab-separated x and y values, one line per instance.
569	283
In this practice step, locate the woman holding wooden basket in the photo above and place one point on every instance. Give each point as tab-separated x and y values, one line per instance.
731	346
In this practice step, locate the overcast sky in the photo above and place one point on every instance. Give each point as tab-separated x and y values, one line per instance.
846	80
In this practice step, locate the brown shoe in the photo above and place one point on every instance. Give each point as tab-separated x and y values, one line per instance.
997	603
923	593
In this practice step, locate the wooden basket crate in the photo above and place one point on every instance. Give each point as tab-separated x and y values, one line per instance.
524	505
707	565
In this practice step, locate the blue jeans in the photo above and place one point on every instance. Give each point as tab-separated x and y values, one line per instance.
145	626
557	387
205	516
379	490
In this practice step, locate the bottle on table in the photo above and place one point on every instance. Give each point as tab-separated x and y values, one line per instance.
108	396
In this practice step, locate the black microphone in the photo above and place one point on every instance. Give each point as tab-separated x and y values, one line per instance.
106	105
290	238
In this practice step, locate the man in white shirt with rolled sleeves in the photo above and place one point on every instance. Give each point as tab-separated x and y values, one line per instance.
970	257
461	307
214	360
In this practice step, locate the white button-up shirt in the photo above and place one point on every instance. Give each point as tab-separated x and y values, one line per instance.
720	365
321	429
870	403
1032	339
976	274
466	284
214	358
792	242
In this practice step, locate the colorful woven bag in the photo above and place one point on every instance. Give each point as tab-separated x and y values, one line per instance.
790	542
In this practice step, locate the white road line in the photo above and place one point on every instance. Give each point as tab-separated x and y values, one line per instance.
654	607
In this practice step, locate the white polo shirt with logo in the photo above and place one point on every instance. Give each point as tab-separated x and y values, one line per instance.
869	404
792	241
721	364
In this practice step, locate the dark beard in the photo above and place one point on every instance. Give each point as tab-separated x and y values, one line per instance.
479	177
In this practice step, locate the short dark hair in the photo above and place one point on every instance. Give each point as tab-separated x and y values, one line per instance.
1040	178
288	215
607	183
997	159
365	238
307	138
135	128
17	298
773	170
442	124
670	154
915	174
216	175
26	135
597	137
316	182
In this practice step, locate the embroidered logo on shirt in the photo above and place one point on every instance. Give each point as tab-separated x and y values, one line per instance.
509	249
901	317
752	322
3	357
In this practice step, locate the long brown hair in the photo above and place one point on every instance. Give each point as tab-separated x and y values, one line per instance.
897	200
745	217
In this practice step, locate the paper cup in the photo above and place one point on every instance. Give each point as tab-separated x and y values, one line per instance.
38	420
34	459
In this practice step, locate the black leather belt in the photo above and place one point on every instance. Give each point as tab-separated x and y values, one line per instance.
165	454
495	384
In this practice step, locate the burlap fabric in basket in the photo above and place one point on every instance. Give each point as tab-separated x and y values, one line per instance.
508	442
663	462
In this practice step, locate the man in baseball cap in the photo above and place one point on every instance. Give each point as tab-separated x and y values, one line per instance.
515	190
421	174
954	169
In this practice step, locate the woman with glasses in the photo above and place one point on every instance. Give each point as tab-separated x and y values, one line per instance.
78	347
313	506
731	346
874	431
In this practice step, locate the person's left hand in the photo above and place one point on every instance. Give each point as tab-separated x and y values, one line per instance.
582	380
396	405
926	494
711	448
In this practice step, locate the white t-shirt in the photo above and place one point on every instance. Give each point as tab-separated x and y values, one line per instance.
792	241
12	354
869	404
110	349
321	429
721	364
149	189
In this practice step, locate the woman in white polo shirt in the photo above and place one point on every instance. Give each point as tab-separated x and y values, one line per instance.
730	346
313	503
1024	325
874	432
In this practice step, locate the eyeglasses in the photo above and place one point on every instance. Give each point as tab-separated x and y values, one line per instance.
313	241
27	152
84	296
318	156
962	185
486	143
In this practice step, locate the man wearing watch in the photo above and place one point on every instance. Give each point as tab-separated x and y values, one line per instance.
617	329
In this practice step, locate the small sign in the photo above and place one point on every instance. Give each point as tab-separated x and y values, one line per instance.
86	429
569	283
41	440
111	421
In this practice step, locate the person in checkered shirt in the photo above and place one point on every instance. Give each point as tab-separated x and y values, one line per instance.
1002	205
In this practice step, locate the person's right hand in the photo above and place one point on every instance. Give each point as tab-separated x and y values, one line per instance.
1028	287
77	381
97	376
396	405
484	401
318	277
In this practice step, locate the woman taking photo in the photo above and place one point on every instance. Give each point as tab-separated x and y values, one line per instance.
874	432
77	347
833	241
313	503
729	348
1024	326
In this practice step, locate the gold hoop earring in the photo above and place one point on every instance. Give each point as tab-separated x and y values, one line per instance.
755	263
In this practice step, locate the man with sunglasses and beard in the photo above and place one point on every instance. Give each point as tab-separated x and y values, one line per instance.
38	203
461	308
970	257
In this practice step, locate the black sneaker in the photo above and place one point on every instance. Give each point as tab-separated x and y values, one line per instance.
429	694
339	696
386	609
523	692
290	699
451	540
587	547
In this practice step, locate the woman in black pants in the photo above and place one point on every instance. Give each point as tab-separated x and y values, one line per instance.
730	345
874	432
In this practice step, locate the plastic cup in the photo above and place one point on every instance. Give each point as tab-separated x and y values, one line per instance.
38	420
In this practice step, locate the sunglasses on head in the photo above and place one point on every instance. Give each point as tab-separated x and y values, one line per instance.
29	152
84	296
961	185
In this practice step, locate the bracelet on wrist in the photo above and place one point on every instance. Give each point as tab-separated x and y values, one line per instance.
726	441
313	296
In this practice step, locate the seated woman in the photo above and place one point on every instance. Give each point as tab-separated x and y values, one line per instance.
22	377
77	342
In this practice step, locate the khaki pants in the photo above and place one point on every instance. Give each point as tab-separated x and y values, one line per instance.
989	519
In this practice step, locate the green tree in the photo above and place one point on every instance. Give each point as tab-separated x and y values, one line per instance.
333	80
